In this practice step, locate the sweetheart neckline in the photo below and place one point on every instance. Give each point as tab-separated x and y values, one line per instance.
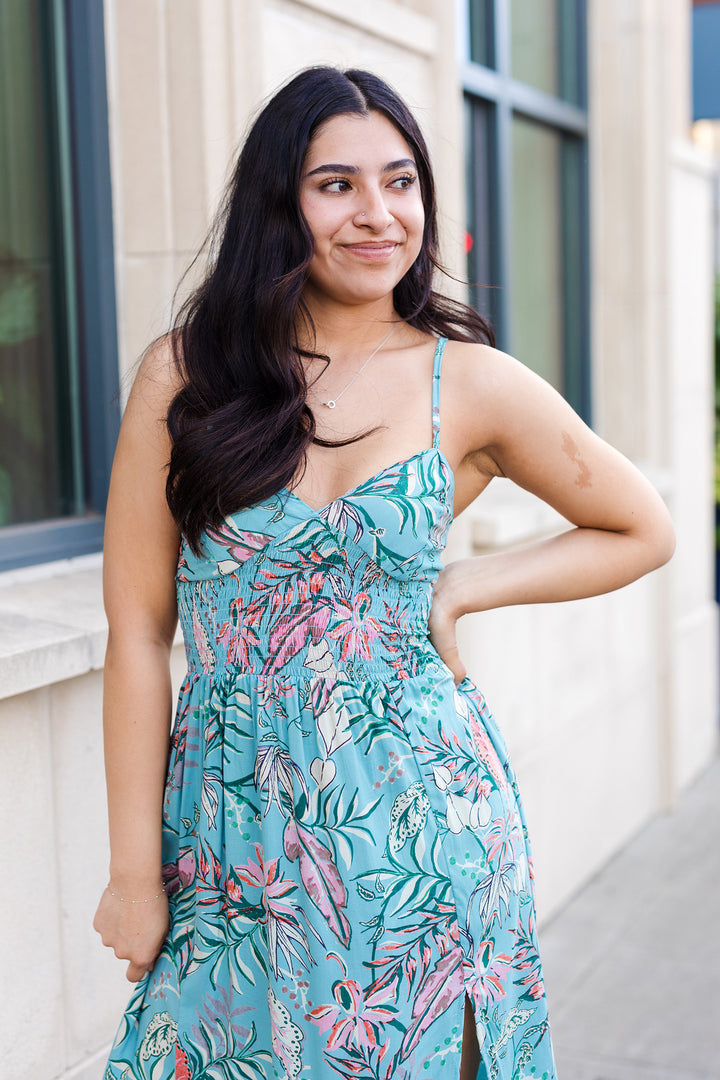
363	483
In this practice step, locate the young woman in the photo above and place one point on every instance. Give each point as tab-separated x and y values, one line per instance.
338	836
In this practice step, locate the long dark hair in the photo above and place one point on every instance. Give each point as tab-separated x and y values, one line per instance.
239	423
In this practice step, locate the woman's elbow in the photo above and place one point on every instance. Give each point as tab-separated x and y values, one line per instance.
660	540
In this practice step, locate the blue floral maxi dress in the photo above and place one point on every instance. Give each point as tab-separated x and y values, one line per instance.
345	852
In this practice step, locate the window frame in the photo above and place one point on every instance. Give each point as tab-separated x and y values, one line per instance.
495	87
76	56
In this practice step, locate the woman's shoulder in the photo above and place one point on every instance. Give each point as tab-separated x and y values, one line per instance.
159	377
161	362
157	380
490	391
476	366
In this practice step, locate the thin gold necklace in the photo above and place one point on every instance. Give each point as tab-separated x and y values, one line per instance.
332	402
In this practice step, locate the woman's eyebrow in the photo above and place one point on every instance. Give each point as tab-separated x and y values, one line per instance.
352	170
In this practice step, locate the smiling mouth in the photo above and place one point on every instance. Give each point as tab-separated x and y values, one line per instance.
376	249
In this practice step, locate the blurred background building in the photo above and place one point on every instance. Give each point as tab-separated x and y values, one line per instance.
581	203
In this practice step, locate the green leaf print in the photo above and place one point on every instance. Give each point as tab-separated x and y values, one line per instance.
408	815
159	1040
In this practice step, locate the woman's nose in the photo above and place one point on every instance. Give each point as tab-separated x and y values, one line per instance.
373	212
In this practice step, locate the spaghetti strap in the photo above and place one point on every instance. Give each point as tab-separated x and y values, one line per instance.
437	364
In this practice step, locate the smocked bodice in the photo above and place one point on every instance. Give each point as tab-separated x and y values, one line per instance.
280	586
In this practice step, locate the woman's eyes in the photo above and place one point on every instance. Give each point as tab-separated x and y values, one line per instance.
335	185
404	182
339	184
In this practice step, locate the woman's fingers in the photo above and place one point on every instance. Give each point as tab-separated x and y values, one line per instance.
442	635
452	659
135	972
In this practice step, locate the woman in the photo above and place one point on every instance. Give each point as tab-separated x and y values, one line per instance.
341	842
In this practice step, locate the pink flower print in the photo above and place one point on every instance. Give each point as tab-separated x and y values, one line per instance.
202	641
238	635
440	987
527	959
532	981
240	545
210	872
186	867
295	627
354	628
320	876
355	1019
492	972
171	878
182	1064
284	932
502	836
485	749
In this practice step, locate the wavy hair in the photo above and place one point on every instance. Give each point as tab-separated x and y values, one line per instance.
239	423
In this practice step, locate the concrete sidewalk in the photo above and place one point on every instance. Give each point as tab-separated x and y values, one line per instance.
632	963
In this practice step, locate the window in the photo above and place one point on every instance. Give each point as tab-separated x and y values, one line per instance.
58	353
526	134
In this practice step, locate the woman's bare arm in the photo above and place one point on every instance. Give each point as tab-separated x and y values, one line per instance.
141	549
531	435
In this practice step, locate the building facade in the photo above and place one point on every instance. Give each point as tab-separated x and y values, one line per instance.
568	182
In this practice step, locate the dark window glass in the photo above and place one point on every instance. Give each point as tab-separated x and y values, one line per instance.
527	186
481	240
546	46
548	258
573	197
536	254
481	32
40	437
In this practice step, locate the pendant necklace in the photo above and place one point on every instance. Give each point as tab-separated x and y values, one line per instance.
332	402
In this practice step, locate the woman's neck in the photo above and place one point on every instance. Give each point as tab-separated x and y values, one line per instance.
342	330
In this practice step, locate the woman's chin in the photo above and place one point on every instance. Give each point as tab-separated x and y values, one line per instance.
352	293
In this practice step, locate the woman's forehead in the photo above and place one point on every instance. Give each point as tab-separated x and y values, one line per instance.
357	136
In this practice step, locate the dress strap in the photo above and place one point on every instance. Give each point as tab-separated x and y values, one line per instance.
437	364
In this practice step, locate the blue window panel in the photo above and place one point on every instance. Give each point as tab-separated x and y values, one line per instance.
706	61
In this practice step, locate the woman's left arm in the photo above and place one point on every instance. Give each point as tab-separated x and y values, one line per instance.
622	527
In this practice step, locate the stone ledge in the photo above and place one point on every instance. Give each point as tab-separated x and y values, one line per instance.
52	624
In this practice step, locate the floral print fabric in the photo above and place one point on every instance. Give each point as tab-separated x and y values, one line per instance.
345	851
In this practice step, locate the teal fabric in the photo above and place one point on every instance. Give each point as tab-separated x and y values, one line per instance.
345	851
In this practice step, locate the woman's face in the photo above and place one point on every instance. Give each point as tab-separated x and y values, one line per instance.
360	195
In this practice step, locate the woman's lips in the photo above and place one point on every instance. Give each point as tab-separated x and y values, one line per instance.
373	250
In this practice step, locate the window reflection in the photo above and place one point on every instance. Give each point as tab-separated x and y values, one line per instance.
537	229
36	452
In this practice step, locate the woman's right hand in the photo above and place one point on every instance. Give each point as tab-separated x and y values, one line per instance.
442	622
135	932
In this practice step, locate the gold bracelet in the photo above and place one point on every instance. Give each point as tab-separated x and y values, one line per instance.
127	900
